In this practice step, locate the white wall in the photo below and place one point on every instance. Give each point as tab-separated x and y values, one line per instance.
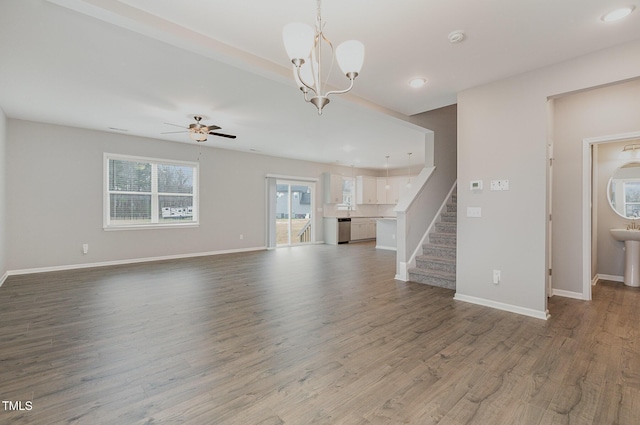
598	112
3	196
502	134
49	220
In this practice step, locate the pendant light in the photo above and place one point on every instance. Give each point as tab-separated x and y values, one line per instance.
386	186
409	177
304	48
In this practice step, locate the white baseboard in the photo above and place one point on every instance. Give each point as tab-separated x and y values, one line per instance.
544	315
128	261
610	277
3	278
388	248
567	294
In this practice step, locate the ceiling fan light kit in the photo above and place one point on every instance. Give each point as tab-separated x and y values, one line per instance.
304	47
199	132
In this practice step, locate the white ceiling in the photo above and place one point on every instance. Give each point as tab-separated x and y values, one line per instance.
136	64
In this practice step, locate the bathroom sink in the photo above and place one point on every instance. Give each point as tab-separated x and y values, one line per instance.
631	239
625	235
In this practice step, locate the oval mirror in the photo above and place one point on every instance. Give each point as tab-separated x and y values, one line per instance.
624	190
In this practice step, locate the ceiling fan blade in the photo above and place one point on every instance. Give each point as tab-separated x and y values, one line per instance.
213	127
229	136
175	125
173	132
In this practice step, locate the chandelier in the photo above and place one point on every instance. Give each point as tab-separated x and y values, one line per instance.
304	47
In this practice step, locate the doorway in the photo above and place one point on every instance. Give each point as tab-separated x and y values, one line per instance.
294	213
589	272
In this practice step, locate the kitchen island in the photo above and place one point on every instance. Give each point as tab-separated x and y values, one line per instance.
386	230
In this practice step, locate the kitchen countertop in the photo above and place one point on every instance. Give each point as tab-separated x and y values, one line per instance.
353	217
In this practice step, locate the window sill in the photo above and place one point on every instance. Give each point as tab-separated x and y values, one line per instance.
150	227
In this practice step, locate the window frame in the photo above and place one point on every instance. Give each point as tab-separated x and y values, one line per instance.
346	206
155	194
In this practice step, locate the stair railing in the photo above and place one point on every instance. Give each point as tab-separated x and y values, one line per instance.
416	214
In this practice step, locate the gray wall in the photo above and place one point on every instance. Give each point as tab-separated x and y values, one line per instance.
598	112
48	221
3	196
503	134
444	124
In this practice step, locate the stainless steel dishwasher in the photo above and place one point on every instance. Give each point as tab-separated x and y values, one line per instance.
344	230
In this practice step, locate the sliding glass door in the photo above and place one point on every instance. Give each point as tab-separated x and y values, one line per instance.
294	212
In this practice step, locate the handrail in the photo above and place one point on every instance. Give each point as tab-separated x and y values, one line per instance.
414	212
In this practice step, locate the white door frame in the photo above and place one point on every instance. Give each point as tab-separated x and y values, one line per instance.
586	202
312	209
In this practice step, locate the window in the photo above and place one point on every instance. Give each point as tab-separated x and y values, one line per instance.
148	193
632	198
348	194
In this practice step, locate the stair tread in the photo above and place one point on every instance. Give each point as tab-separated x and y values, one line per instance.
433	258
435	273
443	233
438	245
447	223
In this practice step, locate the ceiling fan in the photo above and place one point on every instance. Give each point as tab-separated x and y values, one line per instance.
198	131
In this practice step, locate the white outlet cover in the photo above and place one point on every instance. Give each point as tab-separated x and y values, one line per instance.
474	212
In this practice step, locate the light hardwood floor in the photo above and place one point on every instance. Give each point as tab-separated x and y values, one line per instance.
306	335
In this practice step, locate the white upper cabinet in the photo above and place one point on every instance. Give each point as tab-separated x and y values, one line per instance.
366	190
390	195
332	188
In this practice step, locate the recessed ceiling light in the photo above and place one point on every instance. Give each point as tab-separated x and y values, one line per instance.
456	36
416	83
617	14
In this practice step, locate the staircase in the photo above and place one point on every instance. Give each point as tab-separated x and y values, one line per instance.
437	264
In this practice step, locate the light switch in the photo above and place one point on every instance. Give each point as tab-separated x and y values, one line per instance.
474	212
499	184
475	185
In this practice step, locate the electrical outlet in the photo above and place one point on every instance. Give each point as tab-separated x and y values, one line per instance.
496	277
85	248
241	237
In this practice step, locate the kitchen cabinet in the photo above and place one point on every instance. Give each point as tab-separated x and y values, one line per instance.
363	228
333	184
389	196
366	190
396	184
